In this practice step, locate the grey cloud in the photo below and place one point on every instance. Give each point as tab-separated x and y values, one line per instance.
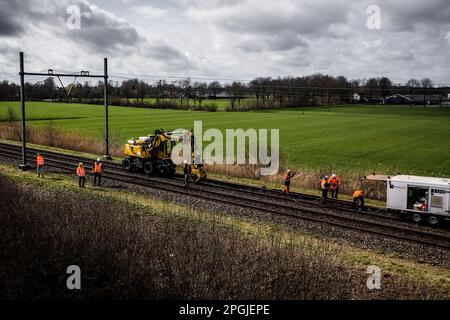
402	15
278	42
102	31
268	17
121	4
8	54
17	16
171	56
210	4
8	50
164	52
9	24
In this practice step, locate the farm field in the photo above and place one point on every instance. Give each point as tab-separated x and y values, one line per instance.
220	103
353	138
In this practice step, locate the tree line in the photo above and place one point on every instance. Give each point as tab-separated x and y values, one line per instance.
317	89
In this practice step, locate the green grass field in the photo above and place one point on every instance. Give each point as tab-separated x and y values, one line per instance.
220	103
365	139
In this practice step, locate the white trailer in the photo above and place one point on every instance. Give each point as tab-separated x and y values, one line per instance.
424	198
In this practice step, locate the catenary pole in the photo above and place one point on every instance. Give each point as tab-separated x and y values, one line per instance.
105	100
50	73
23	165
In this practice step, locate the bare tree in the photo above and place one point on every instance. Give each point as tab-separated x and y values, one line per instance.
412	84
426	84
200	90
185	91
214	89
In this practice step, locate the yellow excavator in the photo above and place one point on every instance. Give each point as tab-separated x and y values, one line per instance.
152	154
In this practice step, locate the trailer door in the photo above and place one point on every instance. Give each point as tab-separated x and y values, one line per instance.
439	201
418	198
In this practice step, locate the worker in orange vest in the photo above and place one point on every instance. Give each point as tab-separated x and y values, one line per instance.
287	182
40	165
358	198
81	173
335	181
325	187
97	171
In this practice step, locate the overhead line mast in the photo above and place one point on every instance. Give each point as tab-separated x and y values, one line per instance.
50	73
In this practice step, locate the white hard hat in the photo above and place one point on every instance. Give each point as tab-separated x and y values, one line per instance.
333	175
185	162
289	170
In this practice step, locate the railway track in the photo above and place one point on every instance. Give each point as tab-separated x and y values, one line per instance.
264	200
267	193
251	190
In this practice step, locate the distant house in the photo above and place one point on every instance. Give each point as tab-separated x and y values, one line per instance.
417	99
398	99
357	98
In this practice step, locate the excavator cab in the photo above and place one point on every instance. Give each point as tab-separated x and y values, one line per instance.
151	154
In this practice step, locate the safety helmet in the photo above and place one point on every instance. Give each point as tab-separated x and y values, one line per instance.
98	159
289	171
38	154
326	177
333	175
81	164
185	162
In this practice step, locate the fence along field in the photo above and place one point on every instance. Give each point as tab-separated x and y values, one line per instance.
348	139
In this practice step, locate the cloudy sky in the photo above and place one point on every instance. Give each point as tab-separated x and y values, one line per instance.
234	39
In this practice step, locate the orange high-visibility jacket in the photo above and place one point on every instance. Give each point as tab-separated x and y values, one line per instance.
40	160
334	182
358	194
98	168
325	184
81	172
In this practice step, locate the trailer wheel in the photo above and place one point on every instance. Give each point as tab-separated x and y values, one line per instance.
417	217
126	164
149	168
433	220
